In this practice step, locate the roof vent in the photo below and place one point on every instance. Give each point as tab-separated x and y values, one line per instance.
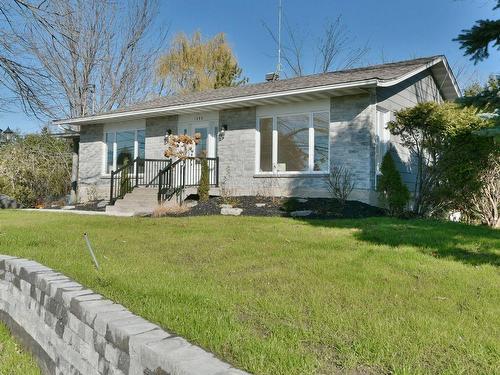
272	77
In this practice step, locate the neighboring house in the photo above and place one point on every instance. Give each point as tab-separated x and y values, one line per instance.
272	138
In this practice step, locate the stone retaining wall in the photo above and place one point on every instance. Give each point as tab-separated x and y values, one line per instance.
72	330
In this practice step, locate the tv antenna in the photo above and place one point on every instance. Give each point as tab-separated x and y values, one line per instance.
280	11
274	76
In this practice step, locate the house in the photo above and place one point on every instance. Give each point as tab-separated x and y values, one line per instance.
279	137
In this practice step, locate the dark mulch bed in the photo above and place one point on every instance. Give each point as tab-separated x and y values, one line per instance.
322	208
89	206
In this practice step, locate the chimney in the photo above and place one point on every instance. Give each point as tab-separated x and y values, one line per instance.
272	77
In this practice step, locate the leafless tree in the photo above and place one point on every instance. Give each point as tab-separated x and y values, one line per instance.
86	56
17	76
340	183
335	49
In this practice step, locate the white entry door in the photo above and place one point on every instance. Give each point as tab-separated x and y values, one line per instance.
206	146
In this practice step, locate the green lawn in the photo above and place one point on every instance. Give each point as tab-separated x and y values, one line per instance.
284	296
13	360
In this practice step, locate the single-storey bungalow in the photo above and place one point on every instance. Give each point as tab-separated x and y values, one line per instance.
279	137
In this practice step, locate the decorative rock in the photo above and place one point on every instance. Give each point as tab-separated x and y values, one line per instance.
301	213
226	206
102	204
260	205
231	211
67	207
8	202
302	200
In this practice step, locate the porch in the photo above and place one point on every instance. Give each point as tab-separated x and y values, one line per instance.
163	179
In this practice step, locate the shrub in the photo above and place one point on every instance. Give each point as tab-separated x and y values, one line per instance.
429	131
391	188
35	168
204	186
92	194
340	184
226	192
125	183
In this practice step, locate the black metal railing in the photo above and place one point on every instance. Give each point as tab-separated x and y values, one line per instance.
185	173
138	172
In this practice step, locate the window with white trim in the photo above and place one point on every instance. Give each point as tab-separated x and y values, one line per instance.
294	143
123	146
383	136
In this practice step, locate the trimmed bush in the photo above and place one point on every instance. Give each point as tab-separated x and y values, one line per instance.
393	191
204	187
125	183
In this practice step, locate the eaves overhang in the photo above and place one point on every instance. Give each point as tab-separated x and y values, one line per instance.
438	66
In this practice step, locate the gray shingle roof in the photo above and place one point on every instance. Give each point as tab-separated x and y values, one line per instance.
381	72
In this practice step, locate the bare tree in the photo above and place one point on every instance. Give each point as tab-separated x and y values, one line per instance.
89	56
340	183
16	75
334	49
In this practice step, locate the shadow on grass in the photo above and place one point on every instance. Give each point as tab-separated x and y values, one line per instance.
472	245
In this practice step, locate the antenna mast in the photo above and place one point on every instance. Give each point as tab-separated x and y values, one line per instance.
278	68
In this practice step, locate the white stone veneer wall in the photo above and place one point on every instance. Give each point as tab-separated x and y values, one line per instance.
352	129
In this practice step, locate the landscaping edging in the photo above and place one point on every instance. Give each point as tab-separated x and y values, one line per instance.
72	330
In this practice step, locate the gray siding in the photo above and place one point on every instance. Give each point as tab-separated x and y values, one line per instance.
420	88
417	89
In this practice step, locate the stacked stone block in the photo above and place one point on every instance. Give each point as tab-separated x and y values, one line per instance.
72	330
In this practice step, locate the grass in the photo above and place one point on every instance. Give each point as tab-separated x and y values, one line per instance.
284	296
13	360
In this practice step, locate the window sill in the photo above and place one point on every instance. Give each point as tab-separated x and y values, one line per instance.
290	174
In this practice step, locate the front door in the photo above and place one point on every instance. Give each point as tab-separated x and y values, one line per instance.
206	145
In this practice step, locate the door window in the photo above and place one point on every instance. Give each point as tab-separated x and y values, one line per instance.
202	146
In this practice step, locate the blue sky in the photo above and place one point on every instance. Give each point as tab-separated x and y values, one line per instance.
393	30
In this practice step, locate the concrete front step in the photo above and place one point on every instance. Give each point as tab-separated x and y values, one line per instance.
136	202
136	208
142	200
139	195
116	211
143	193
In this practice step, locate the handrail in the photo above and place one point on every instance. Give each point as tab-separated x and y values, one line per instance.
137	172
171	177
172	180
165	185
112	199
